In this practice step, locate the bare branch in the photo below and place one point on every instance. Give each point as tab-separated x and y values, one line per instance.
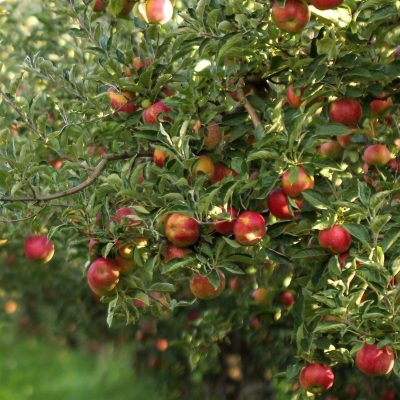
249	108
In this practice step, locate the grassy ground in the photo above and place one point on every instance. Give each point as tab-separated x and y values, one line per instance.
33	370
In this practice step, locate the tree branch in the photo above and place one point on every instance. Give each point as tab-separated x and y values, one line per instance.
249	108
83	185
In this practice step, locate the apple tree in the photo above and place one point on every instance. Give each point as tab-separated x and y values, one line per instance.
222	176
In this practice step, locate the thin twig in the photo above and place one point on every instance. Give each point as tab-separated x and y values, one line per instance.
249	108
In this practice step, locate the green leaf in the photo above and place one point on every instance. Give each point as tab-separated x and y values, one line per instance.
360	233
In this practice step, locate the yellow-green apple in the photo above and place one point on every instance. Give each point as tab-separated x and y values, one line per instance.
213	136
173	252
287	299
375	361
294	100
159	11
336	239
302	182
221	171
379	106
225	226
150	115
122	101
162	345
249	228
259	295
182	230
345	111
39	248
377	154
159	156
316	378
326	4
102	275
202	288
278	204
330	149
292	17
204	165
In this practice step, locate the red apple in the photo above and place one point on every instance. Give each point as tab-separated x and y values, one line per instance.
100	5
122	101
150	115
173	252
287	299
343	260
122	214
10	260
377	154
389	395
127	6
394	165
234	283
331	149
326	4
379	106
316	378
159	157
373	361
213	136
124	261
292	98
138	63
351	390
102	275
345	111
221	171
224	226
182	230
57	164
205	166
259	295
278	204
159	11
292	17
39	248
162	345
302	182
344	140
202	288
250	228
335	239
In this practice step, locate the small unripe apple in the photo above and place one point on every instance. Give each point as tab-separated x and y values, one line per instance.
326	4
182	230
102	275
379	106
221	171
302	182
331	149
293	99
224	226
159	157
292	17
373	361
213	136
345	111
204	165
159	11
39	248
278	204
335	239
150	114
122	101
202	288
316	378
173	252
249	228
377	154
287	299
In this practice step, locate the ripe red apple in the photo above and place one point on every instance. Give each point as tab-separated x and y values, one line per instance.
102	275
234	283
173	252
345	111
202	288
389	395
377	154
57	164
379	106
124	261
221	171
213	136
259	295
100	5
249	228
335	239
159	156
224	226
162	345
316	378
287	299
292	17
159	11
343	260
124	212
127	6
394	165
39	248
326	4
150	115
292	98
331	149
98	150
344	140
182	230
122	101
373	361
302	182
278	204
204	165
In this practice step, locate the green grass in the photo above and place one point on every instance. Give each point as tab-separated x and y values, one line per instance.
31	369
